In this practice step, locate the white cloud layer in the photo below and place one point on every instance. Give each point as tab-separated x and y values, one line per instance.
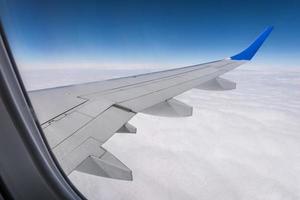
240	144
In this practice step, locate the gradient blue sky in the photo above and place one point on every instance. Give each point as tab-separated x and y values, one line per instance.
141	34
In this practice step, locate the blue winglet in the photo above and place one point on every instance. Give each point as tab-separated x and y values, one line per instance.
248	53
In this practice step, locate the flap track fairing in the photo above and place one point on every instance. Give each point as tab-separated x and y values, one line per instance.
217	84
170	108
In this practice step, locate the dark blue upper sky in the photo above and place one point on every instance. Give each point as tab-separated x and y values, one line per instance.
126	34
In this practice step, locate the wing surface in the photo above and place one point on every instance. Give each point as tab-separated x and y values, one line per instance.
78	119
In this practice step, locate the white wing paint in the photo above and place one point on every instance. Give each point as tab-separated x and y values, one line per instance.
78	119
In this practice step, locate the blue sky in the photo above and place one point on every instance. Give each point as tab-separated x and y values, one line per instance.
141	34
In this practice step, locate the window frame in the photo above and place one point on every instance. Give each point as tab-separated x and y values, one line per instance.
24	150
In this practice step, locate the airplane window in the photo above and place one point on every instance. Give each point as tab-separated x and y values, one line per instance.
156	100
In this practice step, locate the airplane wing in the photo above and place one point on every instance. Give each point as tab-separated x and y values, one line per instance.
78	119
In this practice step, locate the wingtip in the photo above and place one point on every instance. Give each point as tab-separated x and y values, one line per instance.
249	52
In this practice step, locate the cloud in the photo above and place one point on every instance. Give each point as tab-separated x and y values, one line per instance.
240	144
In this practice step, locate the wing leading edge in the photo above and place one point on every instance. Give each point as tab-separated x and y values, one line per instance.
78	119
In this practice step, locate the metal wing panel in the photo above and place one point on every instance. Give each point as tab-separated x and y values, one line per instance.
118	83
48	104
78	119
169	90
80	131
134	90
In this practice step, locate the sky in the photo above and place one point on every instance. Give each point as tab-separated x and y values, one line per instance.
148	34
242	144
